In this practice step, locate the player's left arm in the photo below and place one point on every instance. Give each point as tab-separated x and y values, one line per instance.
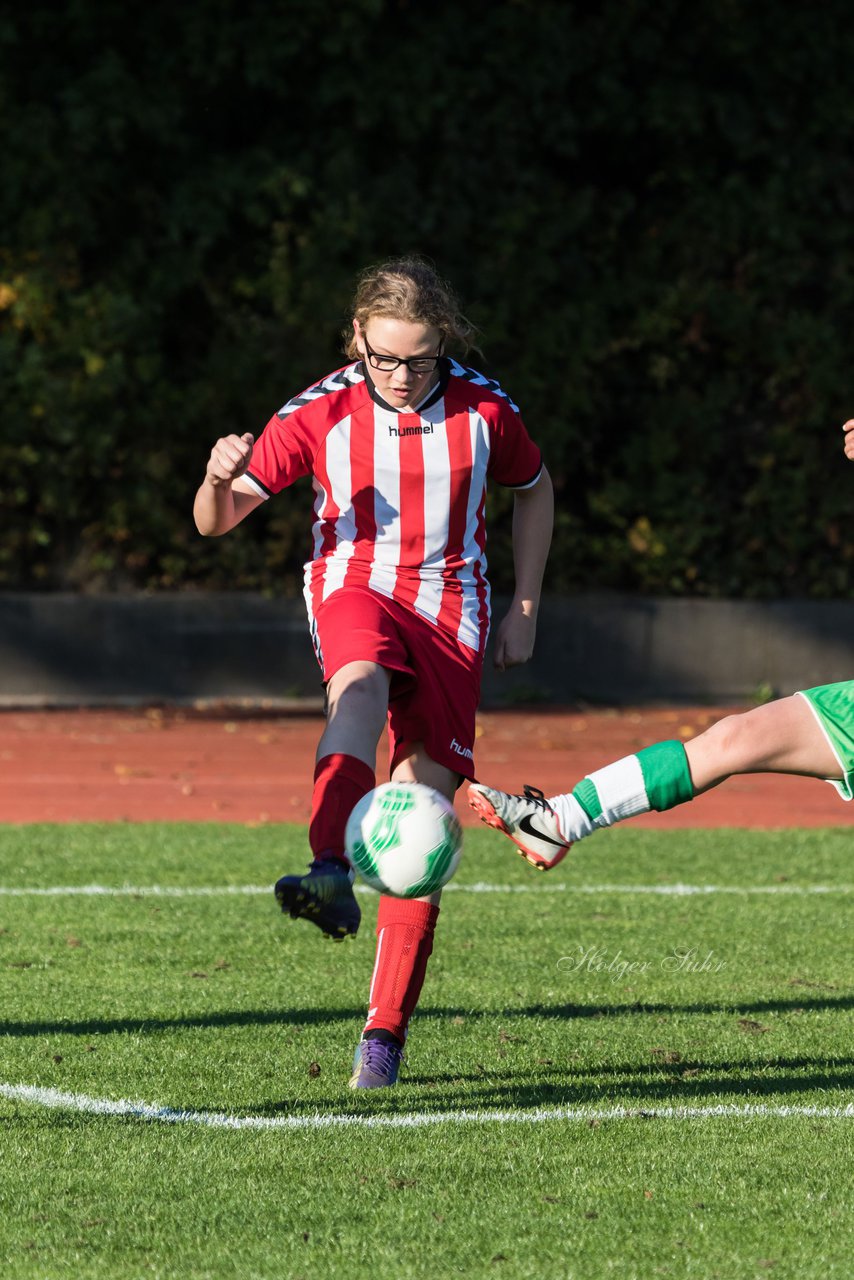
848	428
533	517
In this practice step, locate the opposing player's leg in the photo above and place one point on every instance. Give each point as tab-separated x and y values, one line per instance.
780	737
810	733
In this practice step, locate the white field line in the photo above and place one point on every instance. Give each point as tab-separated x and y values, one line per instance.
58	1100
236	890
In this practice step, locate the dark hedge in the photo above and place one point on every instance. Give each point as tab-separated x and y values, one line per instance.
646	208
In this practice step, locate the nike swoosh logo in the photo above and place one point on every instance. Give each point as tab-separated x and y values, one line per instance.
528	827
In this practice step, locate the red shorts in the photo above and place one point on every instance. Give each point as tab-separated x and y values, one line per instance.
435	681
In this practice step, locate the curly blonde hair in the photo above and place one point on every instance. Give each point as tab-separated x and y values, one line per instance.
409	289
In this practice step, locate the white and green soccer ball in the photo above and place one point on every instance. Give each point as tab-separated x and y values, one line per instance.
404	838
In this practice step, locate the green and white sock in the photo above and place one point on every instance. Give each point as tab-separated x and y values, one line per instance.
657	778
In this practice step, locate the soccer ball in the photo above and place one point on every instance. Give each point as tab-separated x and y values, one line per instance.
404	839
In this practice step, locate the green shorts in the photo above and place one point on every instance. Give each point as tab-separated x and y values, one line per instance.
833	707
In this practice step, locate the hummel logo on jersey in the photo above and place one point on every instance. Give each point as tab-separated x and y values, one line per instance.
412	431
526	825
461	751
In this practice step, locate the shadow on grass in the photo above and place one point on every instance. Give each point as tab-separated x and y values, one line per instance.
320	1017
441	1093
630	1086
606	1086
671	1080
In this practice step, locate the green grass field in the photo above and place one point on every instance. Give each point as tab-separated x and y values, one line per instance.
563	1019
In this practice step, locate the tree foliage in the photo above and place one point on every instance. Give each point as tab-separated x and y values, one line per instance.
646	208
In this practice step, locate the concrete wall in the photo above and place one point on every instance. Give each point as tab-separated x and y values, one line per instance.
68	649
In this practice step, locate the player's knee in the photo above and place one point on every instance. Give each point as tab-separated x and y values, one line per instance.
730	742
359	685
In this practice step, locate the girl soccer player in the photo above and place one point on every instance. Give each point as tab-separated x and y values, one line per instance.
400	443
810	733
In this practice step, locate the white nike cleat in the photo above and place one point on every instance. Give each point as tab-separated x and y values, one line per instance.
528	820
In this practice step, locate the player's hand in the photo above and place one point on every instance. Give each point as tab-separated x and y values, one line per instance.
229	459
514	639
848	428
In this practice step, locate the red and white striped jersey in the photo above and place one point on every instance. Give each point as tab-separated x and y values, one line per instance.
399	495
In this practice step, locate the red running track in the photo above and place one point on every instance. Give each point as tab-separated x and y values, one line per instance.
184	765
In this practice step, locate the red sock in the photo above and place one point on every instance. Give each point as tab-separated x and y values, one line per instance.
340	781
404	943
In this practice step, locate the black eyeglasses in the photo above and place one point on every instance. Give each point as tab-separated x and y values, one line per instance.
415	364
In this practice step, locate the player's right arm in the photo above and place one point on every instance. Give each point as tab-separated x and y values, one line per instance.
223	498
848	428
